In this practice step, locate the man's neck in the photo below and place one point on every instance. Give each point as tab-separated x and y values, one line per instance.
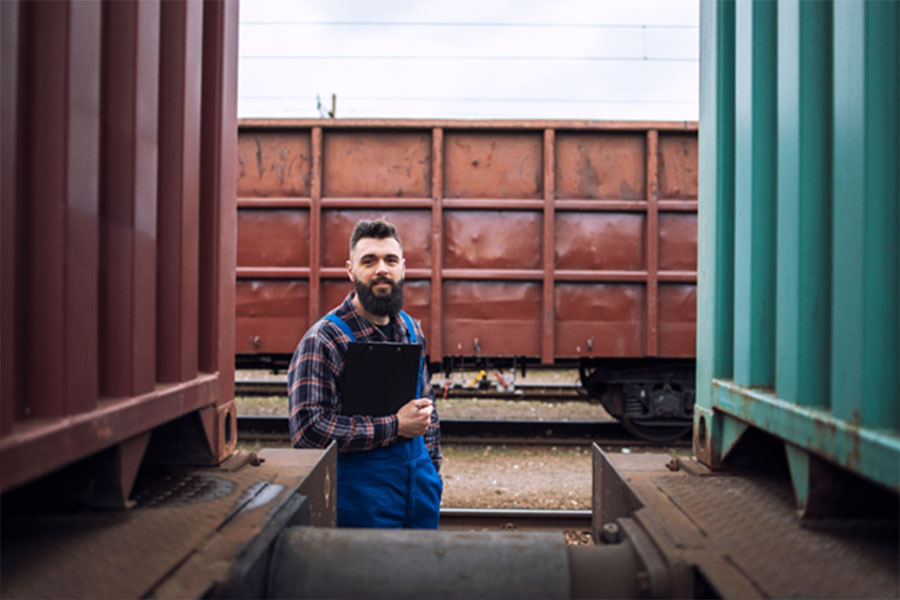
371	318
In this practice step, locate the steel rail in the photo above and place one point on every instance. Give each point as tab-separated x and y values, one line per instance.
515	519
470	431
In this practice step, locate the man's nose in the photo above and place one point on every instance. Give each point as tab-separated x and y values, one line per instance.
381	268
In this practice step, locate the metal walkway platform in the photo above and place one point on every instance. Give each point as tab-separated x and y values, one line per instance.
738	535
193	532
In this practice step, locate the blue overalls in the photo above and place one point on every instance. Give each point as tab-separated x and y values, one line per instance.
392	487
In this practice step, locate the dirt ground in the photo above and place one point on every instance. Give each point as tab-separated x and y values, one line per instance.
516	477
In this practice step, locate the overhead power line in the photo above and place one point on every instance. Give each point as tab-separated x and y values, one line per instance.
450	99
409	57
466	24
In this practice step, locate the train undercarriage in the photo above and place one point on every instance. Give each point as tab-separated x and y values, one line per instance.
653	398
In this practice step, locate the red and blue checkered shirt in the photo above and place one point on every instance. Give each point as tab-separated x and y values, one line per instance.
315	396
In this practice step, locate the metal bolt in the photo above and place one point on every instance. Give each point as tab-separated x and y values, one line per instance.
611	533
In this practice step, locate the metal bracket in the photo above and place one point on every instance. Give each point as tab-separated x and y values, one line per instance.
715	435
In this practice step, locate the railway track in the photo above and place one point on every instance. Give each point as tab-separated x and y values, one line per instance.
605	433
555	392
515	519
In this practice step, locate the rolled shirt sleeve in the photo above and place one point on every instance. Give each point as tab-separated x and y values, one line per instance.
315	418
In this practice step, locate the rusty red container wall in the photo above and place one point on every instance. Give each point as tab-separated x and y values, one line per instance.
551	240
118	217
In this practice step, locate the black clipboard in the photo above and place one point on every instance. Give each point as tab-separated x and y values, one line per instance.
379	378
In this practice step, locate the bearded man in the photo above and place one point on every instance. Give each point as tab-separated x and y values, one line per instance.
387	466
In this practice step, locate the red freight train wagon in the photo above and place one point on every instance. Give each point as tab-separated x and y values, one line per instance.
559	242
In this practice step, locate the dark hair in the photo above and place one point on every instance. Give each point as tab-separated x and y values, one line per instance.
378	229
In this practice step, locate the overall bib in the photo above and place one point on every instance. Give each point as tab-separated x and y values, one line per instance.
392	487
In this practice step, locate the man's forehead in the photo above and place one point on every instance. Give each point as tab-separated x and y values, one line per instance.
378	247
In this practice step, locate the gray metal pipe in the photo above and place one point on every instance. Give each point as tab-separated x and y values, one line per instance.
311	562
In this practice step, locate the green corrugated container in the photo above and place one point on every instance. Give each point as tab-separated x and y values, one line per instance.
798	322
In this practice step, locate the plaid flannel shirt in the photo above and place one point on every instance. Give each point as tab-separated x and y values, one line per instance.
315	397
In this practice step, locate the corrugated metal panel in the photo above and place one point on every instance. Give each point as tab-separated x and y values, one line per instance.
118	219
370	164
540	239
799	222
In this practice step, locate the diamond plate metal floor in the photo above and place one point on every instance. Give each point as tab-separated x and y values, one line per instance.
180	539
742	533
752	521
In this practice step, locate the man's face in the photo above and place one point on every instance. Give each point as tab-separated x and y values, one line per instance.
377	269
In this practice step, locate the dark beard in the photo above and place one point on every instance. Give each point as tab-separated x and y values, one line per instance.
380	306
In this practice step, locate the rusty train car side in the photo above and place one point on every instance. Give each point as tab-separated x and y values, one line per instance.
547	242
118	155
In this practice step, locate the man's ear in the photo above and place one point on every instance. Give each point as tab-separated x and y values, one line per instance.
350	271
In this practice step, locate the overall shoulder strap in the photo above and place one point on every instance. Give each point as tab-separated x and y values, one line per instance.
342	324
410	327
413	339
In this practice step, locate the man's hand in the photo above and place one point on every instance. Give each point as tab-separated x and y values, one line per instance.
414	417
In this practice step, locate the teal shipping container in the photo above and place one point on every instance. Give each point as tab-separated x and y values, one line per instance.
798	323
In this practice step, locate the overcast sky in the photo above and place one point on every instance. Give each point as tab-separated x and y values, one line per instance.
470	59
